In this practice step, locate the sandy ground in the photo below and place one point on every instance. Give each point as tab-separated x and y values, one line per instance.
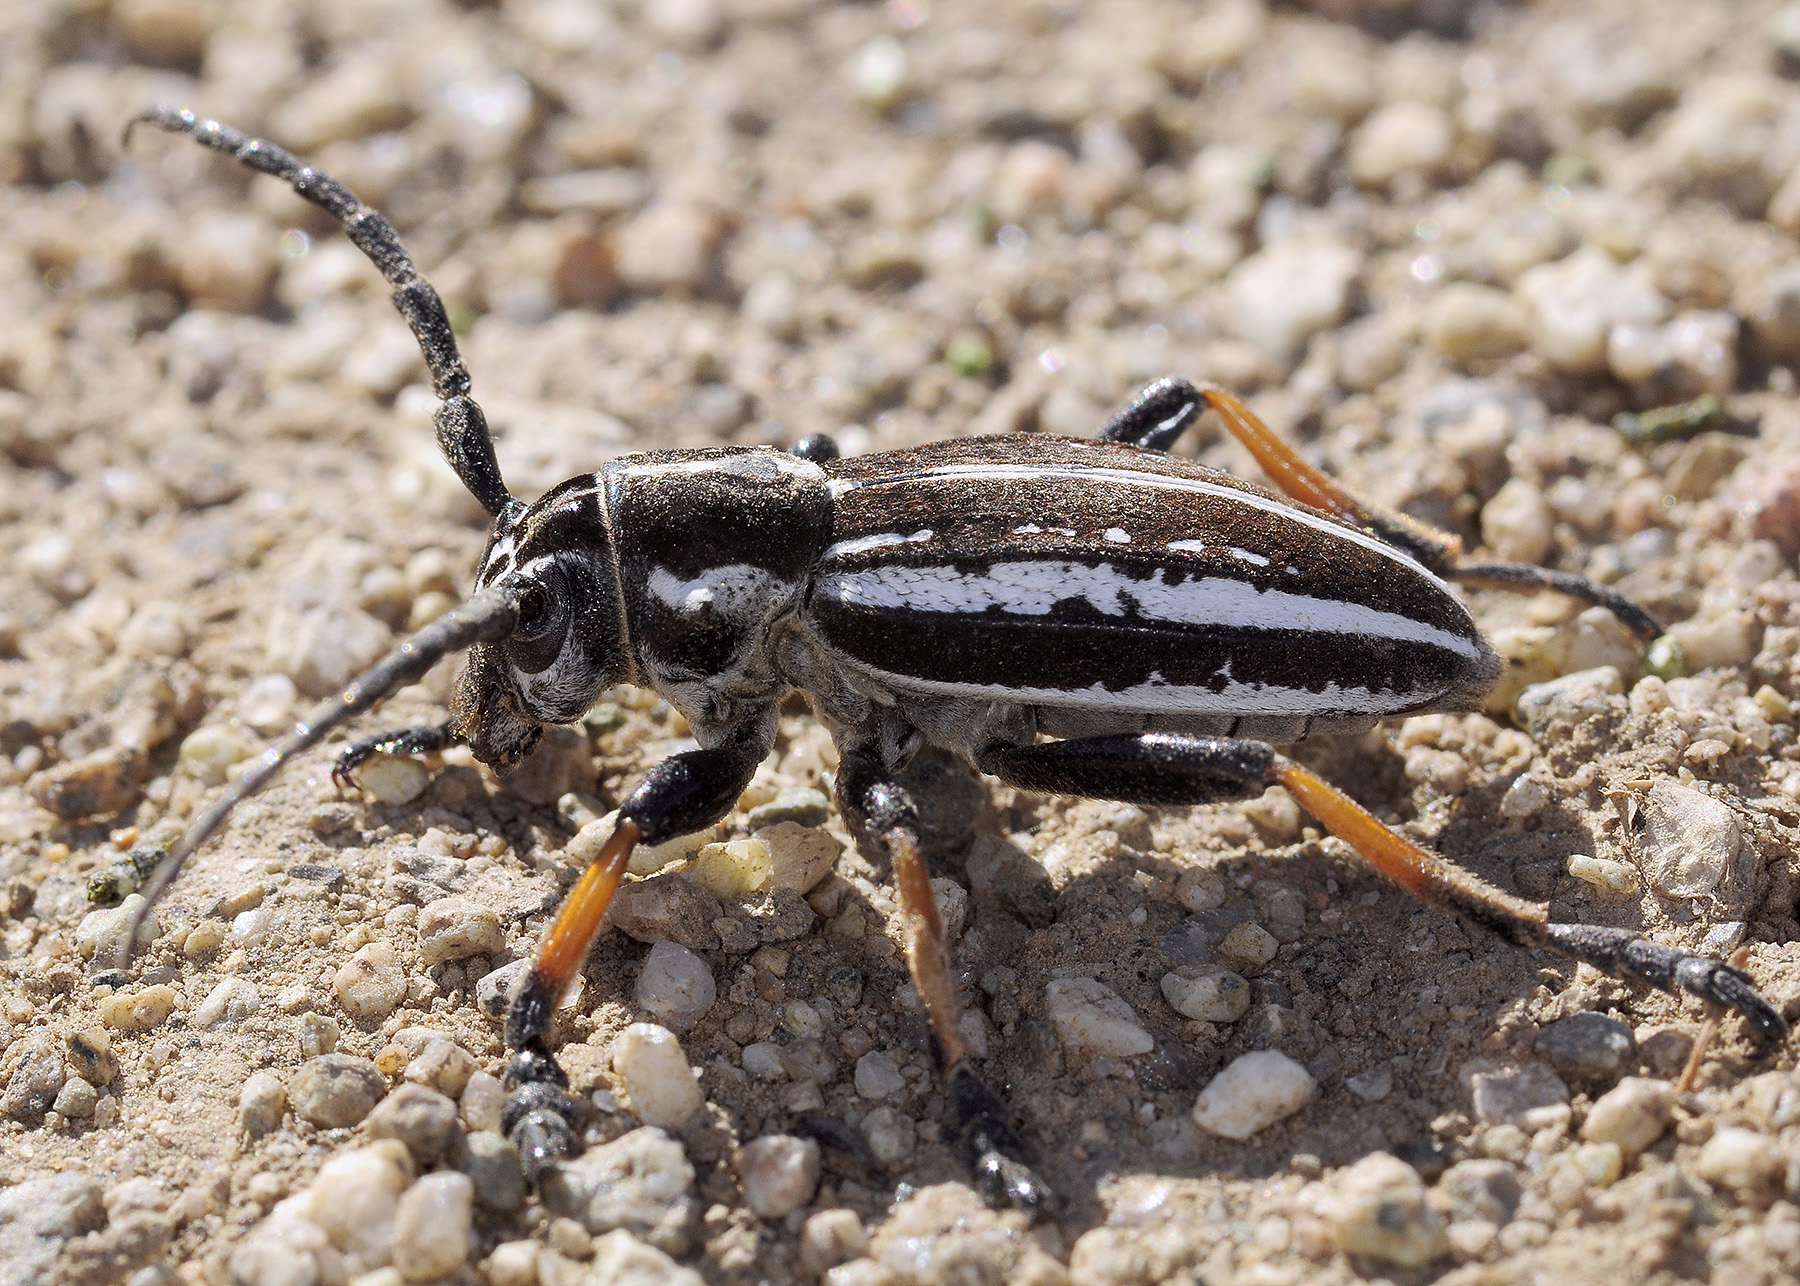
1442	246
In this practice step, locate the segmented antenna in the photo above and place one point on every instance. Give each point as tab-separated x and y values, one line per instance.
462	429
485	618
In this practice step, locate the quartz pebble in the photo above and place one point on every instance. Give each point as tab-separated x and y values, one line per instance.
455	929
1531	1097
831	1237
228	1004
492	1163
370	985
393	779
1379	1209
1249	947
890	1135
779	1174
431	1226
621	1257
675	986
443	1065
77	1099
139	1010
1402	137
1574	697
734	869
353	1200
641	1182
877	1077
1092	1017
334	1091
31	1073
1688	843
483	1101
800	856
655	1074
1287	292
100	936
1481	1188
666	246
1632	1114
1207	993
1252	1093
1742	1160
1516	523
1573	304
801	805
90	1055
261	1102
1467	322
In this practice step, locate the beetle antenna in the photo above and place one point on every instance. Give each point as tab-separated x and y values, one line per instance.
462	429
486	618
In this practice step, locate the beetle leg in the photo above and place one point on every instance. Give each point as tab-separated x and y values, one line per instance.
682	794
885	821
1157	416
398	741
1172	768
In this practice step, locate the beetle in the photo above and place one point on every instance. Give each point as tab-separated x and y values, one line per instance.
1086	617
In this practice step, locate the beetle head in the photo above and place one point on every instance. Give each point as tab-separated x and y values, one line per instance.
569	643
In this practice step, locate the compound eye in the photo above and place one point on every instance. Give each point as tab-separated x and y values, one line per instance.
543	621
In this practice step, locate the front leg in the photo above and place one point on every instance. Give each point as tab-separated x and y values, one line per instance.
885	822
396	741
682	794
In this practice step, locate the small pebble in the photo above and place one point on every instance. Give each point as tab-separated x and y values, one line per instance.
1632	1114
267	705
227	1004
799	855
1482	1189
1379	1210
877	1077
1517	524
891	1136
1573	304
655	1075
1572	698
1252	1093
101	934
675	986
1288	291
455	929
1467	322
1603	873
621	1257
1200	889
431	1226
1088	1015
1742	1160
354	1196
779	1174
1589	1050
641	1182
801	805
734	869
1372	1085
393	779
317	1034
138	1010
208	754
76	1099
1399	138
674	907
419	1117
666	246
443	1065
1249	947
370	985
1530	1097
1207	993
512	1263
335	1091
492	1163
90	1055
829	1238
261	1103
483	1101
1687	842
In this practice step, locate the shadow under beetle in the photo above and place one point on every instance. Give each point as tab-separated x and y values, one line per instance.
1160	622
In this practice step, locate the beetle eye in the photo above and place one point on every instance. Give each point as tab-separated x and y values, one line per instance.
536	612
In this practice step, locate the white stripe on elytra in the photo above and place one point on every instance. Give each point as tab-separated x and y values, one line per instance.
1034	588
1157	696
727	590
844	548
1132	478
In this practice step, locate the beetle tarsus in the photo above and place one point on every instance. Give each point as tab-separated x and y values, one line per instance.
1633	957
994	1150
399	741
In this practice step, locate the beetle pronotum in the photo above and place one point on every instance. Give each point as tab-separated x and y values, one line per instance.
1161	621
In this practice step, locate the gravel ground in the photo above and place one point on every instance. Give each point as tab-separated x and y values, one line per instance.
1466	255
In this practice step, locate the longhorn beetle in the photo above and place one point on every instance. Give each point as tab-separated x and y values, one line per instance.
1161	622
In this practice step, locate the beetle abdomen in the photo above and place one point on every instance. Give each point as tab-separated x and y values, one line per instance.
1076	574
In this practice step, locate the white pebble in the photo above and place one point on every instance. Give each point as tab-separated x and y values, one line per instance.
155	630
1742	1160
1603	873
1689	841
891	1136
354	1198
1207	992
1249	946
620	1257
1516	523
655	1074
779	1172
666	246
431	1226
1289	291
763	1060
1728	639
393	779
734	869
878	72
1400	137
207	754
455	929
138	1010
1573	304
1468	322
1252	1093
1379	1210
228	1004
877	1077
261	1102
1091	1016
370	985
1632	1114
799	856
101	933
443	1065
267	704
675	987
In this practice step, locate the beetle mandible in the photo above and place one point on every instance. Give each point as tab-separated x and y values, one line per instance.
1160	622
